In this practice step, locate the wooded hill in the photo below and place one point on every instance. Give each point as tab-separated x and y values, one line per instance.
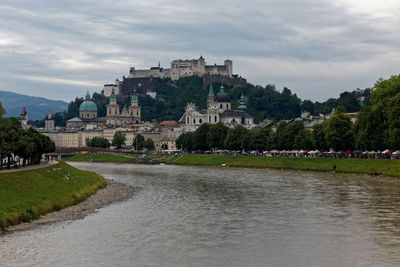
262	102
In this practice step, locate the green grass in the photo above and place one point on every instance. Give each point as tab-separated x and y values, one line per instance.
25	195
364	166
101	158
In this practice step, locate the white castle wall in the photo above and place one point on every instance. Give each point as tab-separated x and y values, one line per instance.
184	68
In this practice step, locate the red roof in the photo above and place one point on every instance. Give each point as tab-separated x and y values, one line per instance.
169	123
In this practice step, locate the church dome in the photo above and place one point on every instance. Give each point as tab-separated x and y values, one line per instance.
222	96
88	105
134	96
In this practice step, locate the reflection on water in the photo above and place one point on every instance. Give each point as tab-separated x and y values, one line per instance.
225	217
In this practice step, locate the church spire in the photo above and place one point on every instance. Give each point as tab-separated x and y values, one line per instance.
211	91
87	97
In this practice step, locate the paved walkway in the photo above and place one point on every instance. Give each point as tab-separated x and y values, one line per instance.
30	167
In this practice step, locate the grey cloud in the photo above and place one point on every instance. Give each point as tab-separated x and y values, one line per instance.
93	42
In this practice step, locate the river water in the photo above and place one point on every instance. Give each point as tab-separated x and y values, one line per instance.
198	216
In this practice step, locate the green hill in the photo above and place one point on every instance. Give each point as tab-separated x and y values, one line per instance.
37	107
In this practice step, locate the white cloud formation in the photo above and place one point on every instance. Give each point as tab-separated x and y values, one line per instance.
316	48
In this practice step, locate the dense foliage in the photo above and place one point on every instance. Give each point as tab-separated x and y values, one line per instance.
378	126
351	101
149	144
138	142
29	144
98	142
118	139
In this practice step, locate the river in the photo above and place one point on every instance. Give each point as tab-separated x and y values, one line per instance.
204	216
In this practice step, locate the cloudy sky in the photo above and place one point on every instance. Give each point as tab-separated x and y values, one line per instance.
59	49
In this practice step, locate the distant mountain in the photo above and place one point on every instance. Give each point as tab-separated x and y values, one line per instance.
37	107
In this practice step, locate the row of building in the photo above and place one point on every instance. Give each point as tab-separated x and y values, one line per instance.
163	137
80	130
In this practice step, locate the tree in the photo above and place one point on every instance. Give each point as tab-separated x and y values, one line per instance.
42	144
303	140
308	105
394	122
149	144
216	135
338	131
2	111
234	138
185	141
318	137
73	108
385	89
371	129
261	139
118	139
286	133
27	148
98	142
200	141
138	142
12	138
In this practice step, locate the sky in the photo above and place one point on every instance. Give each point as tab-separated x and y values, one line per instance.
318	49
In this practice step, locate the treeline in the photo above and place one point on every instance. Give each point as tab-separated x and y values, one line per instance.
29	145
288	136
351	101
377	128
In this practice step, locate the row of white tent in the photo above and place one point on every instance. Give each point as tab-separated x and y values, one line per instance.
293	152
316	152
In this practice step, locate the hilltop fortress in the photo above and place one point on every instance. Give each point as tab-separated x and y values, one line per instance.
144	81
184	68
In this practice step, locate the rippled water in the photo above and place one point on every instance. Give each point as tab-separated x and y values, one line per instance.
196	216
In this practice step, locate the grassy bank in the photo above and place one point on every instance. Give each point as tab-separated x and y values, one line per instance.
101	158
365	166
25	195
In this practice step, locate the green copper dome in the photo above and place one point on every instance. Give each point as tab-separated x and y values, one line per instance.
222	96
88	106
113	95
134	96
242	103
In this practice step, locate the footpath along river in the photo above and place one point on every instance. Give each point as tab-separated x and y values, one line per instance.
205	216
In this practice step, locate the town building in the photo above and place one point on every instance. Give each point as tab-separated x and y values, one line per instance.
87	115
24	118
128	116
49	123
218	110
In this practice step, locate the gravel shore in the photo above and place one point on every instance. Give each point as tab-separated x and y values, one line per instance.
113	192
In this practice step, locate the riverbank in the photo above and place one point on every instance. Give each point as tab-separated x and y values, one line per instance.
112	193
26	195
98	157
341	165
